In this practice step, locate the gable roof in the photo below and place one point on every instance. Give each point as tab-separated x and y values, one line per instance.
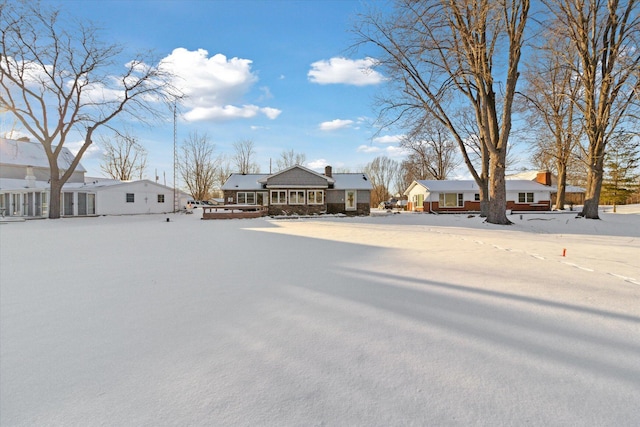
20	153
338	181
266	178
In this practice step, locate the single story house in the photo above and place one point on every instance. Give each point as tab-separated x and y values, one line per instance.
464	196
301	191
573	195
24	187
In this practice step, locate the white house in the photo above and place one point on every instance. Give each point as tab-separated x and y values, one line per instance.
464	196
24	187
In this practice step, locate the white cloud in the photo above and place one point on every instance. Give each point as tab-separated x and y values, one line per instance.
317	164
94	150
214	86
358	72
271	113
368	149
394	151
335	124
388	139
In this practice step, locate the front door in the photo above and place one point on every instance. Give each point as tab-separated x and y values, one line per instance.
350	200
67	204
262	198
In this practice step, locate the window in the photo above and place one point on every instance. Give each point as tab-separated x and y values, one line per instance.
450	200
278	197
130	198
160	198
296	197
476	197
246	198
315	197
525	197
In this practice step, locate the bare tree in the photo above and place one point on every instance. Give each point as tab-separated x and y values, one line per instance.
606	38
124	158
290	158
224	171
440	57
382	173
56	79
549	93
243	157
198	166
432	153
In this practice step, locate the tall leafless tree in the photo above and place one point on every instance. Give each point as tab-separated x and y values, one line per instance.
290	158
441	56
57	78
432	152
124	158
198	166
244	153
605	35
549	92
382	172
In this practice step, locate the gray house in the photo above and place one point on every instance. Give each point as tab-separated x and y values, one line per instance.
301	191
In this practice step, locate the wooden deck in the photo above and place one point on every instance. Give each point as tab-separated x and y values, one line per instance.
233	211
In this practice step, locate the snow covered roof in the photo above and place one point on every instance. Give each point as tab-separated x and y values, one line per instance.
343	181
248	181
8	184
351	181
470	186
20	153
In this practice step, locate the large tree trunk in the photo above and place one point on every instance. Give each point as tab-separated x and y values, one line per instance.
54	197
592	198
497	192
484	198
594	181
561	185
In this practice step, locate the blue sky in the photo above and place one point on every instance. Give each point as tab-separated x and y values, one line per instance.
278	73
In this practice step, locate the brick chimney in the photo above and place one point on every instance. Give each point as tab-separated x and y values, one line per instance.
327	171
544	177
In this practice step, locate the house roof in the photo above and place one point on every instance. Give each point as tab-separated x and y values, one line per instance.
351	181
237	181
266	177
96	185
20	153
470	186
341	181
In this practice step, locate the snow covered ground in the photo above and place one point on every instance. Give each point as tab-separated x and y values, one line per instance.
393	319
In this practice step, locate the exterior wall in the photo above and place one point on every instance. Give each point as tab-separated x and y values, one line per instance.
469	206
543	205
113	200
336	203
541	201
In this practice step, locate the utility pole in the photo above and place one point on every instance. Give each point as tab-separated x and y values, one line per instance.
175	159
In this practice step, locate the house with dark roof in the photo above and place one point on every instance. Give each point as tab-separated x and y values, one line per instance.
301	191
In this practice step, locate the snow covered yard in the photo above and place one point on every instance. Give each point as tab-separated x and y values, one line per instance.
400	319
